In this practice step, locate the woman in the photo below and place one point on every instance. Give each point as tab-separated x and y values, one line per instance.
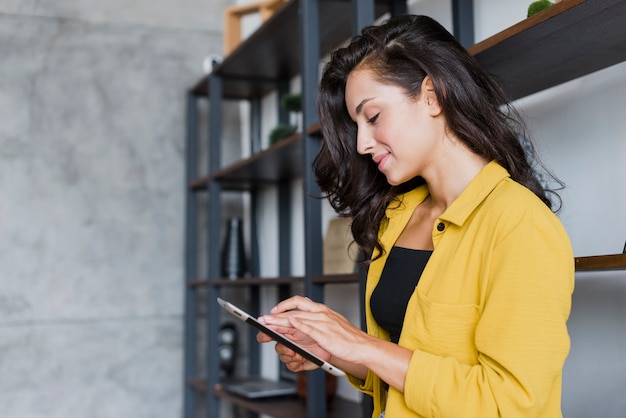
470	281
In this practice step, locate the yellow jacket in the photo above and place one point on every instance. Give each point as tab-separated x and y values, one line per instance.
487	321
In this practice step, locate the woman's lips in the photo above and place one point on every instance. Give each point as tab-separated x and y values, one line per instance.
379	160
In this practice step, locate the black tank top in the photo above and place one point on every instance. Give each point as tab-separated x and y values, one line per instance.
402	271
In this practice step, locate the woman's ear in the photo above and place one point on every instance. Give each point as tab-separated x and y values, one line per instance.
430	97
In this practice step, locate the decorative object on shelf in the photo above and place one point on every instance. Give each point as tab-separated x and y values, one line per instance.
331	388
537	6
281	131
233	251
227	341
340	253
211	61
233	15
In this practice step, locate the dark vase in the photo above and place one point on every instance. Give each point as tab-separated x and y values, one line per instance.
233	251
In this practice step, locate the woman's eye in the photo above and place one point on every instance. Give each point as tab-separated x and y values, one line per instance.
373	118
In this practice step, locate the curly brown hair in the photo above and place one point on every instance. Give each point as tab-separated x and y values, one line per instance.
402	52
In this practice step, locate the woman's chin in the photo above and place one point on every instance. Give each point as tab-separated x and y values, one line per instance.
393	181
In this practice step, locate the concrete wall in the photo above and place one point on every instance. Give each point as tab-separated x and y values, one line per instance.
92	99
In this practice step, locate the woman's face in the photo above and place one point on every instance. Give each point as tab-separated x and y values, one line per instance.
399	132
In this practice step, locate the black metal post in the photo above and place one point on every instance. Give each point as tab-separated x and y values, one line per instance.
255	125
312	207
282	89
463	21
213	242
254	238
310	33
191	255
397	7
362	15
254	356
284	228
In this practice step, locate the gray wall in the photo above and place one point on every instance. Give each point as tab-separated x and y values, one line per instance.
92	204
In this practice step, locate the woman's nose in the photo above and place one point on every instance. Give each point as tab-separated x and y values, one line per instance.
364	142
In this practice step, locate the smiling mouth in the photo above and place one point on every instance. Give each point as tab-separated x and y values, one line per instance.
379	160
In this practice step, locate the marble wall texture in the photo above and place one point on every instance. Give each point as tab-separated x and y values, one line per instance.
92	99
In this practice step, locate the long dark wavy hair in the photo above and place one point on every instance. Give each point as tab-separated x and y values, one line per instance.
402	52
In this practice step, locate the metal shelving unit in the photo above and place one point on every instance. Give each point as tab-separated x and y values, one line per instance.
563	42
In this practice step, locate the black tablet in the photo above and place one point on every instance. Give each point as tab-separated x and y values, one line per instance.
249	319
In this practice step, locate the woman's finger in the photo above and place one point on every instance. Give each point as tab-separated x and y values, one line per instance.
297	303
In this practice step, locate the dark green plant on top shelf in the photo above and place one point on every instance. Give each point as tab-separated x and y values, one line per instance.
537	6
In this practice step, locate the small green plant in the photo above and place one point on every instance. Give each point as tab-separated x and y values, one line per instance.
281	131
292	102
537	6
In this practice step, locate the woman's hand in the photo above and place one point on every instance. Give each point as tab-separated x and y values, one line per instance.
294	361
320	330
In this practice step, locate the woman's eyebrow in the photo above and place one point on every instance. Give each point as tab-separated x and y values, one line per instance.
359	108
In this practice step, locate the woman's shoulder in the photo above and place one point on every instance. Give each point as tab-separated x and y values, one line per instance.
515	198
512	206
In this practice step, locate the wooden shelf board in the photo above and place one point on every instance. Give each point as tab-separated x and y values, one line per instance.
282	161
315	129
336	278
563	42
601	262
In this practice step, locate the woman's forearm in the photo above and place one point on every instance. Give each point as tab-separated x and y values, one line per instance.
352	369
385	359
388	361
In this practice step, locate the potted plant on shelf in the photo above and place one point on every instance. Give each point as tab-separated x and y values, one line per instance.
293	103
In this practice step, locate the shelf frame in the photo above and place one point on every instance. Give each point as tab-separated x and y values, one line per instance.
526	58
